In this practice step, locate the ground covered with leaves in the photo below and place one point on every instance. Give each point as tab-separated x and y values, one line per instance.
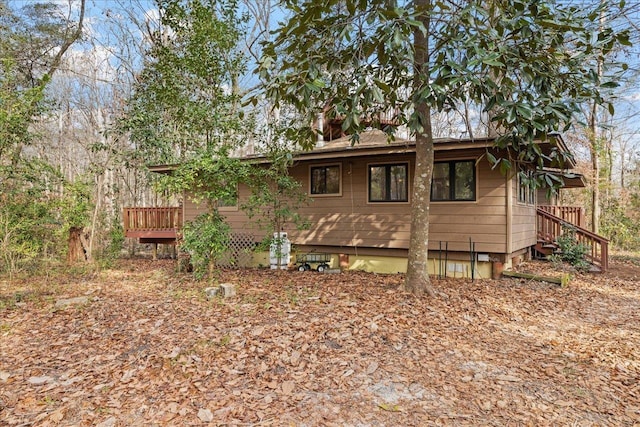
141	345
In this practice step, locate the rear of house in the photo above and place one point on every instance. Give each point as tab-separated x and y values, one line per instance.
360	200
481	221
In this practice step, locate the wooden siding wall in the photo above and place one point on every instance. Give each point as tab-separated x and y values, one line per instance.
524	220
237	219
348	219
484	221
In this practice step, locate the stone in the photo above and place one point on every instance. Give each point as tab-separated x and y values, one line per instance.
228	290
40	380
211	292
109	422
61	303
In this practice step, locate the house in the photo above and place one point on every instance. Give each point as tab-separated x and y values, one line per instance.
481	221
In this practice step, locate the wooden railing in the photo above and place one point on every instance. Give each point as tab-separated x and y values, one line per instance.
571	214
551	226
142	222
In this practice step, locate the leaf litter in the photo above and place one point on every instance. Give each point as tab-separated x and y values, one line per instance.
142	345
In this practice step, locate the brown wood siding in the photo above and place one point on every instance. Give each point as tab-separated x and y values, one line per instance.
484	221
236	218
523	223
349	219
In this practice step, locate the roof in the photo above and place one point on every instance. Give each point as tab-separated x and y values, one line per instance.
376	142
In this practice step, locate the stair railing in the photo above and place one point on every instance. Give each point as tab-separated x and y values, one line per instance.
550	227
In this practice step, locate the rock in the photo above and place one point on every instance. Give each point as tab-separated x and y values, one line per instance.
211	292
109	422
62	303
228	290
40	380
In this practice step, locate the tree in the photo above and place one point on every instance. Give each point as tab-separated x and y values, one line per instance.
186	98
275	195
33	41
526	62
186	109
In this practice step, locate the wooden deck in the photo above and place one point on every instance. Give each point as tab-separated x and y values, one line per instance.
153	225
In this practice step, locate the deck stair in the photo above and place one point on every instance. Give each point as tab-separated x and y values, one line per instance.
551	226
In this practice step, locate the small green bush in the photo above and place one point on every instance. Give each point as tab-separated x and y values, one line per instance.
571	250
206	239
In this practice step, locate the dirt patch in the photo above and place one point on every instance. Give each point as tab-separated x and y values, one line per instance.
146	347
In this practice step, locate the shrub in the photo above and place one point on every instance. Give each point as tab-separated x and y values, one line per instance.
571	250
206	239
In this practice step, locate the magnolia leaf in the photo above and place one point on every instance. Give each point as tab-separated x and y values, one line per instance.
389	407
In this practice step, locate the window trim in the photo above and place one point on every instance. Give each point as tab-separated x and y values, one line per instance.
452	179
404	163
529	191
325	165
231	208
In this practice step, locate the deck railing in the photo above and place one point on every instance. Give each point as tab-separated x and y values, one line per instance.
551	226
151	220
570	214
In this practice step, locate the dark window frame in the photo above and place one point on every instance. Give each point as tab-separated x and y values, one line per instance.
325	167
452	182
526	191
388	167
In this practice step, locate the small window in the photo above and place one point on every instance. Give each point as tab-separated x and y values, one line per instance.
526	187
325	179
389	183
229	200
454	181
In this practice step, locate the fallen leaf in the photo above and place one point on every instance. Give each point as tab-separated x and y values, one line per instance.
287	387
205	415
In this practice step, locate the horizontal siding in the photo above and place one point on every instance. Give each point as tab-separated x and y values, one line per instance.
350	220
483	221
192	209
523	234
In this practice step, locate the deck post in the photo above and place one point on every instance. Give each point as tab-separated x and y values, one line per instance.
154	249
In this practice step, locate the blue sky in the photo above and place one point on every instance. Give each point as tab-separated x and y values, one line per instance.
102	25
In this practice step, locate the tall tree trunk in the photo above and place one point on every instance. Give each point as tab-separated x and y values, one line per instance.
596	149
76	252
417	280
595	165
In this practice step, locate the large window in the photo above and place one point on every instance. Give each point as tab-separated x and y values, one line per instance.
325	180
454	181
389	182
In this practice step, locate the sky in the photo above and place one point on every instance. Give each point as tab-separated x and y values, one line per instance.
109	25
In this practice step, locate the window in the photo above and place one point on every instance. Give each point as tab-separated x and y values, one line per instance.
526	187
325	180
229	201
454	181
389	182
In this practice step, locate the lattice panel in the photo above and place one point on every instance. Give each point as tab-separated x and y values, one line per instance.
241	252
